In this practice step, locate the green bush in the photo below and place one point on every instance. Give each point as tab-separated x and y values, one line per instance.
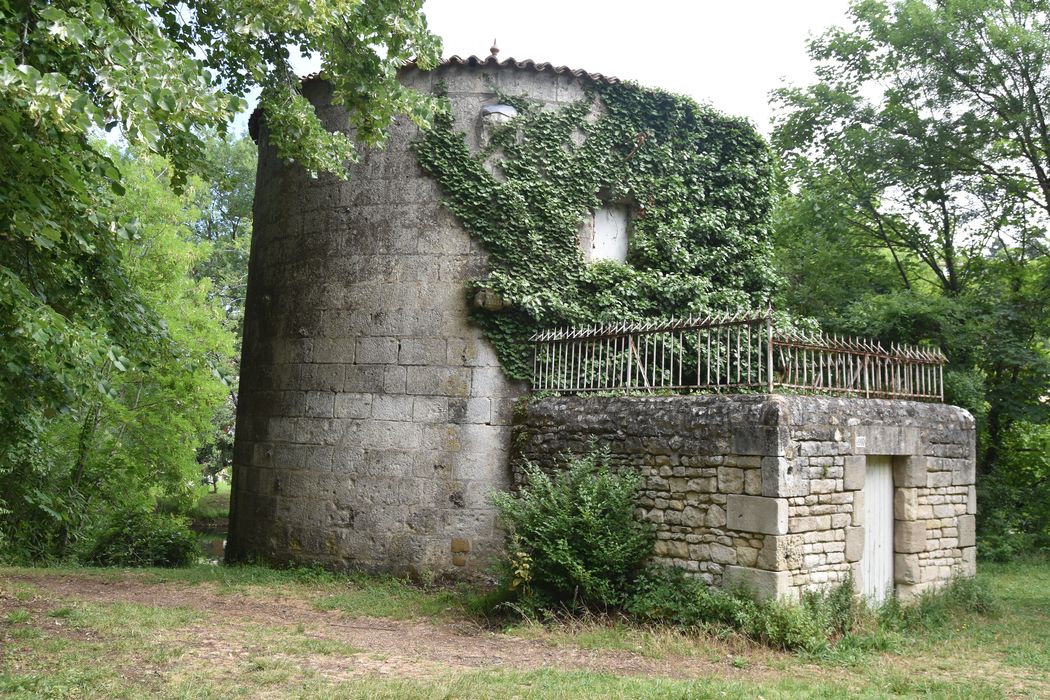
136	536
785	625
665	595
574	540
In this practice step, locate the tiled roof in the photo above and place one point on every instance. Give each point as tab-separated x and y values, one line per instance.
527	64
472	61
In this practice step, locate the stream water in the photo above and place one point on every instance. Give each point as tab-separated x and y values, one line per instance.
213	545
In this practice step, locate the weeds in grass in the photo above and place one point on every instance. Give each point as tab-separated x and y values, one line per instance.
233	576
834	624
889	626
936	608
393	598
667	596
18	617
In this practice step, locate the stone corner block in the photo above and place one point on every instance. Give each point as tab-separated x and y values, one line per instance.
782	478
757	514
909	470
967	531
906	568
858	509
906	504
968	565
910	592
909	536
779	552
854	543
759	440
856	571
765	584
853	474
964	472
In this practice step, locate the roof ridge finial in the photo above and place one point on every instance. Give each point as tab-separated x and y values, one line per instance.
494	50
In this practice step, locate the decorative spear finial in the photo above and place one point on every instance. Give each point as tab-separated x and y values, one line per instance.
495	49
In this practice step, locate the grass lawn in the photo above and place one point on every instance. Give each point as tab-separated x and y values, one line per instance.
220	632
212	506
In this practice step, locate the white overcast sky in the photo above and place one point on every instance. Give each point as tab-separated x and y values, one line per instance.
727	53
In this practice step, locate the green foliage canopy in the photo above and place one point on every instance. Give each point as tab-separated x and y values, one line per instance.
928	128
917	205
81	321
222	235
136	433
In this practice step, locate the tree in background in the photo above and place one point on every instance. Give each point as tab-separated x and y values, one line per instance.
225	224
77	326
136	436
917	198
223	232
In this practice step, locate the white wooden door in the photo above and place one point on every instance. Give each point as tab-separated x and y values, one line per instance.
877	562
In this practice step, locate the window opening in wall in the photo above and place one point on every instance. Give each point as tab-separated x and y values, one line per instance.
603	235
492	117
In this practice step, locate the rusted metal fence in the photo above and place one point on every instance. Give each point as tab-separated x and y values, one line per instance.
726	352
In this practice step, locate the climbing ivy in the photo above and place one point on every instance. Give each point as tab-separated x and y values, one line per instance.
697	184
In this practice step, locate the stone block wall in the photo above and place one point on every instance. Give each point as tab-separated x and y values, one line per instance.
373	417
768	490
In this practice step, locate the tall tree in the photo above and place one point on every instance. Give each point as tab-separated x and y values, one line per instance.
921	157
137	434
160	74
929	120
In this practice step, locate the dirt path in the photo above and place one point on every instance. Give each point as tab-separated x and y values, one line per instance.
404	649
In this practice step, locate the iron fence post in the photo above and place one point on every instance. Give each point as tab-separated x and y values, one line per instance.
867	389
535	365
769	350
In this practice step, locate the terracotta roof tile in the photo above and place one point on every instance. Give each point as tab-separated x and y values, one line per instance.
527	64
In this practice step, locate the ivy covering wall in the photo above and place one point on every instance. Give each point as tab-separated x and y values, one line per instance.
696	183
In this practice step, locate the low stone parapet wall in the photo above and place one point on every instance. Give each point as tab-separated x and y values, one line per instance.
768	490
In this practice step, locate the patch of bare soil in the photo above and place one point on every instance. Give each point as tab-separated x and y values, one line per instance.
40	609
403	649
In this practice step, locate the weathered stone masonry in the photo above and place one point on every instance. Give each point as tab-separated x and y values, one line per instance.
373	418
768	490
374	421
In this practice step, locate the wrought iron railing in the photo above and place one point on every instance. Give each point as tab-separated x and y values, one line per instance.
726	352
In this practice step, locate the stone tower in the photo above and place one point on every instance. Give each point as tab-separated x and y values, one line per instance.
373	420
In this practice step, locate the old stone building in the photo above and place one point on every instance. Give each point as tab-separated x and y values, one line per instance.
375	421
